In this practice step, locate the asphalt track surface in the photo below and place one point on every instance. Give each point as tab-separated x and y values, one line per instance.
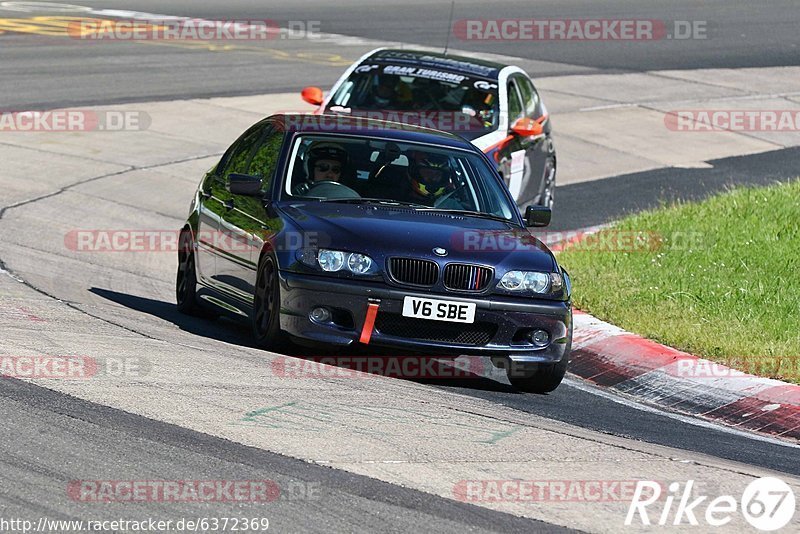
64	432
44	429
739	34
574	402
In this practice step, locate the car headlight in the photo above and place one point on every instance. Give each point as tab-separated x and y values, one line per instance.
330	260
359	263
336	260
531	282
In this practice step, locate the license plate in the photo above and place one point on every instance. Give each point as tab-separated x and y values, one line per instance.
439	310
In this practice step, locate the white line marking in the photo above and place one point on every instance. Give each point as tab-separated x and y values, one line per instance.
10	275
609	106
32	7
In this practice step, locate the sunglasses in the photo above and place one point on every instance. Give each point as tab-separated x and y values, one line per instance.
325	167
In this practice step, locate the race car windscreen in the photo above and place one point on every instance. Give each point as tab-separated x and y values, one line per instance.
353	169
436	99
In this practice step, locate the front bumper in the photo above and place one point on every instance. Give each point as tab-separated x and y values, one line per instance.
496	331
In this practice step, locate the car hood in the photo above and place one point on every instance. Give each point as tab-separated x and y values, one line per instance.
383	231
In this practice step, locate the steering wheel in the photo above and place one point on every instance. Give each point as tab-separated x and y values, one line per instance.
441	200
331	189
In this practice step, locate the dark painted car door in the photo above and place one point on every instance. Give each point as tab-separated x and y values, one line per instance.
249	219
209	213
251	216
234	241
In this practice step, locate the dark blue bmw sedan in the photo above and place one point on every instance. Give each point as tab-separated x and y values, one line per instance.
344	231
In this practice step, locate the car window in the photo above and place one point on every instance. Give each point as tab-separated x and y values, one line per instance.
444	98
265	157
530	99
514	106
237	159
420	175
342	96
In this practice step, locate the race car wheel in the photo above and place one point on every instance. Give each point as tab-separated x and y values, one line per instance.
537	378
266	307
548	192
186	280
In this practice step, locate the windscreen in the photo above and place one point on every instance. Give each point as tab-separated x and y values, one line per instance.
356	169
406	88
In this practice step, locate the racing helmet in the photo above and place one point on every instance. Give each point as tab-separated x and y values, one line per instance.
430	174
324	151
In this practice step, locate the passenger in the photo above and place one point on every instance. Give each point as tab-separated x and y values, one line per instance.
429	177
478	106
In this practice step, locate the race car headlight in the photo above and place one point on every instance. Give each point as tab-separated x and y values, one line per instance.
531	282
336	260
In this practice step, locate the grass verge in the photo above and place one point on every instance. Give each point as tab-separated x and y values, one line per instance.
718	278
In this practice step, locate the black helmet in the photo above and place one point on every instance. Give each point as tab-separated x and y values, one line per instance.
325	150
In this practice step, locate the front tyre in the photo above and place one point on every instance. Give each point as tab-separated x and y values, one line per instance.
537	378
266	307
186	280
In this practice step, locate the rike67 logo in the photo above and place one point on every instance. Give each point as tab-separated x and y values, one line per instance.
767	503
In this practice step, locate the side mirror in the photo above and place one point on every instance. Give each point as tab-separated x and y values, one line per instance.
244	184
526	127
312	95
537	216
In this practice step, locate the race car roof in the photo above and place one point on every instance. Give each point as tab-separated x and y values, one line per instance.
435	60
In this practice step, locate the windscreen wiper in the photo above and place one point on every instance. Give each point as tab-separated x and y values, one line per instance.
385	201
480	214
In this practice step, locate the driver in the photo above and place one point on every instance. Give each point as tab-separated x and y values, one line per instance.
390	94
325	162
429	177
384	93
